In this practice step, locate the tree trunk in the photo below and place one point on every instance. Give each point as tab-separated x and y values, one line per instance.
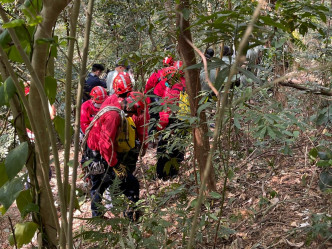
50	13
193	86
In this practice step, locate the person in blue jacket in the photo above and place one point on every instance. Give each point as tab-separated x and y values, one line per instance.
93	80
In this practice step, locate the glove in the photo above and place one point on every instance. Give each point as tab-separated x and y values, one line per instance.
96	168
120	170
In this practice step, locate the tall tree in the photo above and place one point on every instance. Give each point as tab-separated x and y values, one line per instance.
193	87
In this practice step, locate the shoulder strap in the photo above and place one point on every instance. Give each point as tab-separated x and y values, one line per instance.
98	115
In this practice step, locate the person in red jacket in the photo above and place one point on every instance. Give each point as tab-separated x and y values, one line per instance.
102	147
175	84
90	108
155	87
123	88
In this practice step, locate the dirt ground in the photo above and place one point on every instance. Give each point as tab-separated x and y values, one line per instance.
273	226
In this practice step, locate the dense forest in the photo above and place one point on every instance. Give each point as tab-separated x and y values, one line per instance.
252	123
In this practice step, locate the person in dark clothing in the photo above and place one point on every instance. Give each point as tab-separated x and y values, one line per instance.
93	80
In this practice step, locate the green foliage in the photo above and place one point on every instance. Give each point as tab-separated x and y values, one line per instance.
320	228
24	232
25	204
9	192
323	157
16	160
3	174
50	88
7	91
59	124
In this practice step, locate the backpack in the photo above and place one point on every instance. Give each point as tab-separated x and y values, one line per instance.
126	133
184	105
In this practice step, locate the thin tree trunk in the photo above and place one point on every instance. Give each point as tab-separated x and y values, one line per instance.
193	86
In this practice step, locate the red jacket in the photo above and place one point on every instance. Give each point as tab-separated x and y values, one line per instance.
157	82
102	136
172	96
88	111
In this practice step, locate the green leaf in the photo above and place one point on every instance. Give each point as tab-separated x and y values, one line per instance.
186	13
6	1
249	75
215	195
59	124
324	164
7	91
50	88
13	24
10	191
237	122
16	159
24	232
313	153
271	133
203	107
325	155
14	54
23	200
3	174
5	39
325	180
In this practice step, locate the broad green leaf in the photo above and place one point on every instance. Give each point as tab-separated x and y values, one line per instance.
249	75
6	1
203	107
313	153
325	180
23	200
24	232
50	88
270	22
16	159
220	80
59	124
7	91
5	39
215	195
3	174
324	164
13	24
14	54
237	122
10	191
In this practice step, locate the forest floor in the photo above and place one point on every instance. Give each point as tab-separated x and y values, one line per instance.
270	201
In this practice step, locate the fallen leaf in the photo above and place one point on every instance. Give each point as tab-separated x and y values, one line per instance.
297	245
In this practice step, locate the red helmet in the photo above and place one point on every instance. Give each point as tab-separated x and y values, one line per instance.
169	72
122	83
134	103
98	94
168	61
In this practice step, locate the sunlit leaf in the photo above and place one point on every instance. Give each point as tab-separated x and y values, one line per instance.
24	232
13	24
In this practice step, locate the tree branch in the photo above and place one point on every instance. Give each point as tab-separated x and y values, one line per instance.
319	90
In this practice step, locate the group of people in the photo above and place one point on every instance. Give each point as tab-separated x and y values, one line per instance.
115	122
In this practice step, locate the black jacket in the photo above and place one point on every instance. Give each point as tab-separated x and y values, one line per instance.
92	81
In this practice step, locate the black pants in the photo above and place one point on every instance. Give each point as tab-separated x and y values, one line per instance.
129	159
168	162
129	186
154	116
